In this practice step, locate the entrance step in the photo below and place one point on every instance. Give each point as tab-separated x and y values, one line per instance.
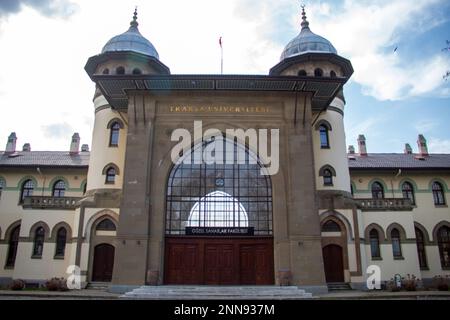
339	286
217	292
98	286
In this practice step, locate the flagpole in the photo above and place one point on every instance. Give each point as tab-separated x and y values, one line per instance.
221	56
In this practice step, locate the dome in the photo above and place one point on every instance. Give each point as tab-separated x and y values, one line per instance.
131	40
307	42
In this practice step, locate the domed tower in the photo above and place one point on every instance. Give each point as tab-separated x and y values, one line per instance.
311	56
129	53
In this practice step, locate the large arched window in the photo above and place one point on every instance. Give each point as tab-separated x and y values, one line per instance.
61	239
438	193
420	241
137	71
324	139
223	193
443	236
38	245
12	247
374	243
408	192
332	74
114	134
59	188
302	73
396	243
27	189
377	191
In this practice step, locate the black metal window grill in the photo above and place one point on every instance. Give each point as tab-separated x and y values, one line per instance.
229	192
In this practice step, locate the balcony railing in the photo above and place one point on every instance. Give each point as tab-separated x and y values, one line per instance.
389	204
60	203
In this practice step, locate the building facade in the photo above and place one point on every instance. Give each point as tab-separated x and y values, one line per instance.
132	211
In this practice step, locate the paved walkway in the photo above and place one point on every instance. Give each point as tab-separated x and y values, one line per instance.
91	294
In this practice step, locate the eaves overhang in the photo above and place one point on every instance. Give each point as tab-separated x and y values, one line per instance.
116	88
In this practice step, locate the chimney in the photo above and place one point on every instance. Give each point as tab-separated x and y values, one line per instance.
362	145
408	149
75	144
26	147
422	144
351	149
85	148
11	145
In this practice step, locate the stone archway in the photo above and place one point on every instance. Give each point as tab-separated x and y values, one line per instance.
335	249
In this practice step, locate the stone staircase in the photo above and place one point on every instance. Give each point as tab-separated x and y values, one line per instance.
339	286
217	293
98	285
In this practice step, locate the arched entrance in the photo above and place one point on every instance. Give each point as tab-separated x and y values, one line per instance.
103	263
219	217
333	263
334	248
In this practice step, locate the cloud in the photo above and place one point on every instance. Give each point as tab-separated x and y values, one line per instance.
58	130
425	126
436	145
63	8
367	31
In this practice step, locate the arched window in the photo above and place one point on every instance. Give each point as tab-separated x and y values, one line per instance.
420	241
106	71
212	195
331	226
59	188
396	244
444	246
137	71
61	239
110	175
106	225
318	72
38	247
2	185
374	243
324	141
114	135
332	74
438	194
120	70
408	192
12	247
302	73
377	191
327	177
27	189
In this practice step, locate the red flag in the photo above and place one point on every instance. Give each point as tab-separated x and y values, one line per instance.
220	42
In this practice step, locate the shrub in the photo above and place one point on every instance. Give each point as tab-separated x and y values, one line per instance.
56	284
17	284
391	286
410	283
441	283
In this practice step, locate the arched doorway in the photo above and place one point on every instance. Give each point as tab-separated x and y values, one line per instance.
333	263
103	263
219	217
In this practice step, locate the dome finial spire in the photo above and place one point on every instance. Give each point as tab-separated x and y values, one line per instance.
305	23
134	23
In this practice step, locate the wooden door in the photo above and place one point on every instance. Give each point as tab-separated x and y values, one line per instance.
103	263
218	261
334	263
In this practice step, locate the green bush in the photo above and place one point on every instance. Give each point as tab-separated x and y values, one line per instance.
17	284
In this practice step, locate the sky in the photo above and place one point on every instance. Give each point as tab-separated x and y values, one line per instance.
396	47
